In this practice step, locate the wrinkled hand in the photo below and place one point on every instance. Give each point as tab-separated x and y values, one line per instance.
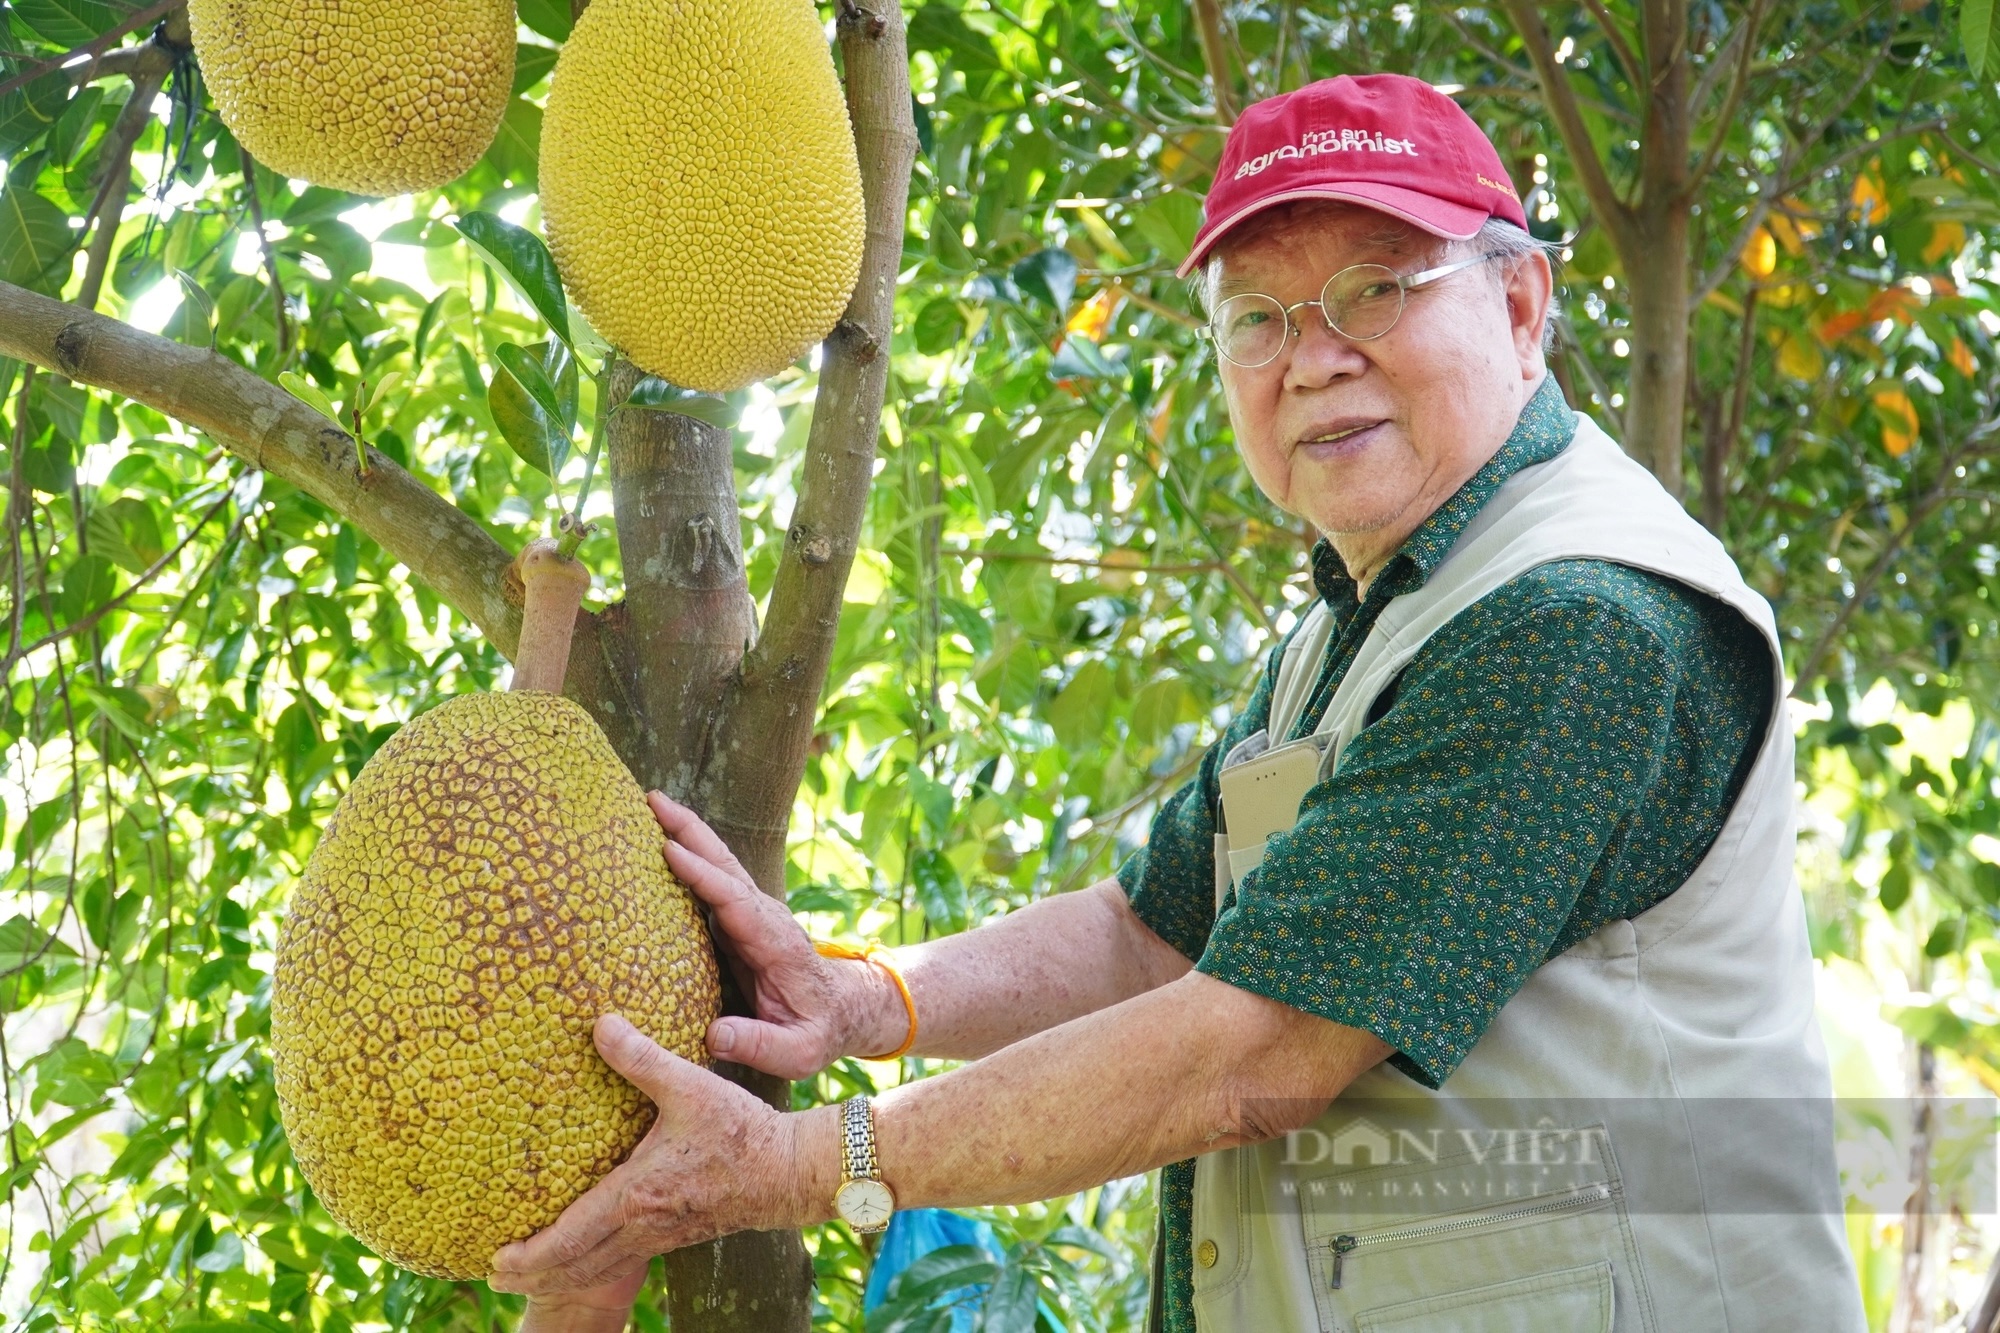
810	1010
717	1160
605	1309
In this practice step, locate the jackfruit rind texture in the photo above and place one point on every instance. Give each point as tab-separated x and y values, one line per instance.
490	884
699	184
378	97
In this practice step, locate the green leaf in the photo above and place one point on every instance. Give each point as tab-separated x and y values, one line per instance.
657	395
21	940
71	22
308	393
516	153
532	62
35	239
530	373
520	257
199	305
550	18
28	112
1080	358
1050	275
529	431
1976	29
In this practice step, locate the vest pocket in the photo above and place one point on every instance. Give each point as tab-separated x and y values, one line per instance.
1397	1244
1573	1300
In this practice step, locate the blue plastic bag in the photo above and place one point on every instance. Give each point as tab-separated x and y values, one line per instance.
916	1232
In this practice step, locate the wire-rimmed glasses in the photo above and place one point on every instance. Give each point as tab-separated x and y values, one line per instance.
1360	303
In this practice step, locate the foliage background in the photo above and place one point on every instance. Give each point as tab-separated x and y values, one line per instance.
1067	580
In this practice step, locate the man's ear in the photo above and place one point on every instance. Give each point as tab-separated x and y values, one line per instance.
1530	286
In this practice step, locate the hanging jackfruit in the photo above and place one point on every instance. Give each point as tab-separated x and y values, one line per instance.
699	184
492	882
374	96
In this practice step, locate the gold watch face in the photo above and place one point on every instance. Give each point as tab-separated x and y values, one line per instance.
864	1205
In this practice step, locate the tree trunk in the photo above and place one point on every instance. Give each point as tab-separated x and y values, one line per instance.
689	696
1655	410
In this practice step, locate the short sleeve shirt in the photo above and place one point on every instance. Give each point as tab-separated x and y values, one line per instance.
1559	756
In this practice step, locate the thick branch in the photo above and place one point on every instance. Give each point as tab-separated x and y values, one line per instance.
268	428
747	788
108	209
94	47
1561	98
688	607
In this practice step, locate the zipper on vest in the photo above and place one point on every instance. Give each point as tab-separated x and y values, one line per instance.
1346	1243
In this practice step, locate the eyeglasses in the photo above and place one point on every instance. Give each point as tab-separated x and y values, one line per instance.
1361	302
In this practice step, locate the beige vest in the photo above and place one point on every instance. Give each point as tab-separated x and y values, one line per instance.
1642	1139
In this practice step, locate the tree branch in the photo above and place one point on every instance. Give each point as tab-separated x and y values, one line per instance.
748	787
268	428
1611	211
1215	54
108	208
1619	46
1751	22
94	47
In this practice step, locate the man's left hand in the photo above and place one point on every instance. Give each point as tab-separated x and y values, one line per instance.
717	1160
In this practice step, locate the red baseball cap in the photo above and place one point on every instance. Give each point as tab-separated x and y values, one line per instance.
1384	141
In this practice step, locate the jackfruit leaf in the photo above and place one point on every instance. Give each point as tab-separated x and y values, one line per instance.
72	131
226	1253
1049	275
126	533
198	308
27	112
426	325
529	430
520	257
1080	358
72	1074
926	132
1011	1303
1977	30
70	22
303	389
549	18
532	61
657	395
538	370
22	942
35	239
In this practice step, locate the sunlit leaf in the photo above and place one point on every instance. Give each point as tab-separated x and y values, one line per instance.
520	257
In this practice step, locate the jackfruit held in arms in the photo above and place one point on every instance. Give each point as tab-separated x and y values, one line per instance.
699	184
490	884
374	96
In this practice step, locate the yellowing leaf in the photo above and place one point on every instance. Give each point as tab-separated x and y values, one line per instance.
1163	416
1832	328
1799	357
1899	419
1960	357
1101	235
1787	294
1947	239
1897	303
1870	198
1722	300
1093	317
1792	233
1760	254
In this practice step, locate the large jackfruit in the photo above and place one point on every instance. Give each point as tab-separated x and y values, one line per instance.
490	884
699	184
375	96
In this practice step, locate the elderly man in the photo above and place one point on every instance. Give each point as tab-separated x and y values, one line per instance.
1500	847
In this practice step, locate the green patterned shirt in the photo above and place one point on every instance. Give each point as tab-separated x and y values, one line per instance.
1559	756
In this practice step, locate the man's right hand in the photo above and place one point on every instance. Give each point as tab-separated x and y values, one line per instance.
810	1010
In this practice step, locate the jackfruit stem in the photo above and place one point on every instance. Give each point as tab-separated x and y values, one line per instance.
554	585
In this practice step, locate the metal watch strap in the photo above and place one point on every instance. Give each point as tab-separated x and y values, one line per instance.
857	1140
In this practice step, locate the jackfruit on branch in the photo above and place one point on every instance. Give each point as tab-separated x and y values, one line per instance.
491	883
699	184
378	97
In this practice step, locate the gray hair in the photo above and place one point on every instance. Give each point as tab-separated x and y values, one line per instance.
1496	237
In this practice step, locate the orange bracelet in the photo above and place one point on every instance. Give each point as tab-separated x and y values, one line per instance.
875	953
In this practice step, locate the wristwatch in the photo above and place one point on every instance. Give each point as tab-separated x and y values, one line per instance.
862	1200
